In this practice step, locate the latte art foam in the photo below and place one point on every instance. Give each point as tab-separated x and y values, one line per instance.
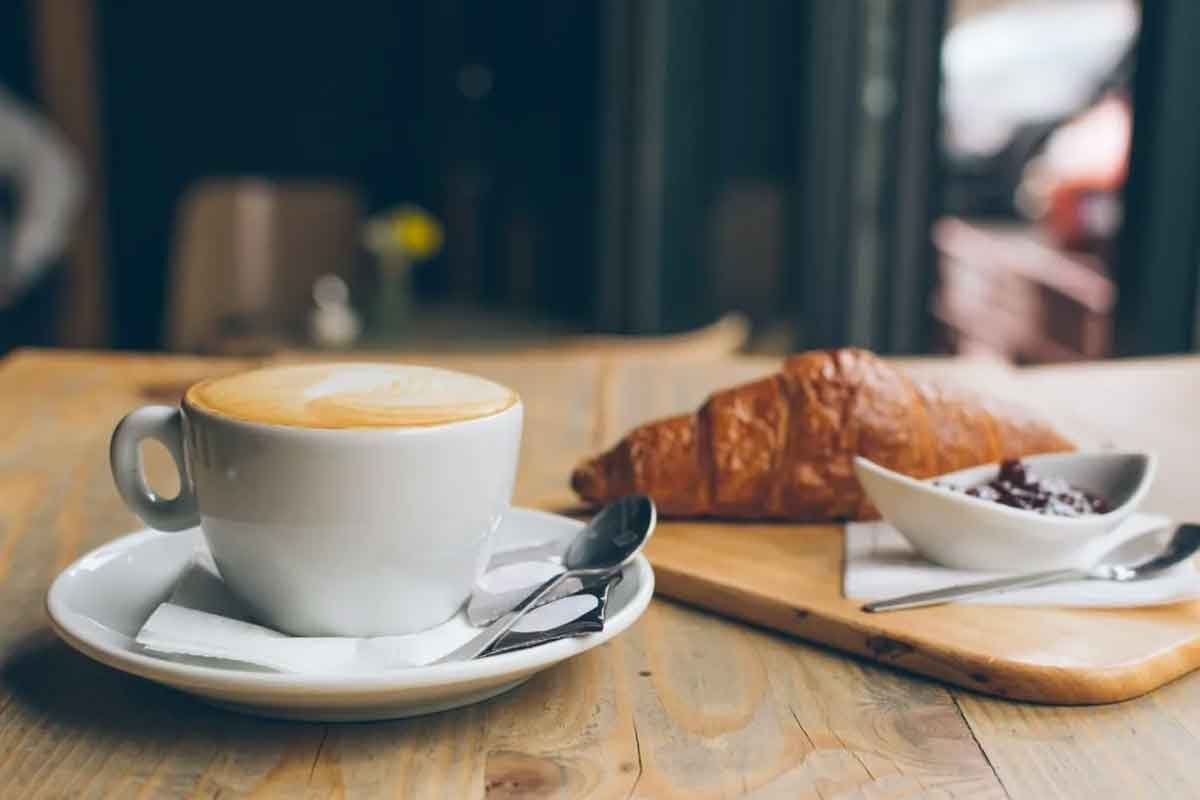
351	396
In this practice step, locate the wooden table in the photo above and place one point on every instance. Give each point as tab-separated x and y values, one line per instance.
684	705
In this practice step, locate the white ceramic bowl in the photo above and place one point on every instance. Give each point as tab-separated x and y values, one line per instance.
956	530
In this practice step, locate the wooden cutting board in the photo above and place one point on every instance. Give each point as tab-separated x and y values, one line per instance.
788	577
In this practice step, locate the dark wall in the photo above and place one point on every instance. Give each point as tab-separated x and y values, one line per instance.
371	92
1158	277
16	57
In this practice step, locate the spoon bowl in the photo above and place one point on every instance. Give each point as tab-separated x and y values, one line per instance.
612	538
1182	545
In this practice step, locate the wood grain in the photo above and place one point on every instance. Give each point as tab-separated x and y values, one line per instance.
789	578
1133	749
686	704
724	710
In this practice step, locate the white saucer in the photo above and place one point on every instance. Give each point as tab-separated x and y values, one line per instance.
98	604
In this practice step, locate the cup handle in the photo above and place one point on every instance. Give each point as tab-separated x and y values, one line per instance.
164	423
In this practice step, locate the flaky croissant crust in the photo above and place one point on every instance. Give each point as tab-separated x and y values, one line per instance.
783	447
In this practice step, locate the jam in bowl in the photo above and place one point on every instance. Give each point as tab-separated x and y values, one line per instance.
1018	486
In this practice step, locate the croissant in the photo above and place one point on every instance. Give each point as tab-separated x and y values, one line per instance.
783	447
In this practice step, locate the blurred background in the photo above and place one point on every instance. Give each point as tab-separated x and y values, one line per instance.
1016	178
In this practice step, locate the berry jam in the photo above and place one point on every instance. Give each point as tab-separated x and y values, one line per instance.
1018	487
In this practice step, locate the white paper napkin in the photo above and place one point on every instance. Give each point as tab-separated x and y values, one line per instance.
202	622
881	563
505	586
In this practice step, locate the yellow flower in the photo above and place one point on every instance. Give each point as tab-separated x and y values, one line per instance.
409	230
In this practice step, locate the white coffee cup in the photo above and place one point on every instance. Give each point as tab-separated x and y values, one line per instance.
332	532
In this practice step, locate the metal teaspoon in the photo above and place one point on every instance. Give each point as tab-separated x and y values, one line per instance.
603	547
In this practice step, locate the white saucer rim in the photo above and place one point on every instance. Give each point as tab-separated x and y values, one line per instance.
212	678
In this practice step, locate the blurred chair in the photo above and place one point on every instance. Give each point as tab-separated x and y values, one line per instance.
1007	293
245	255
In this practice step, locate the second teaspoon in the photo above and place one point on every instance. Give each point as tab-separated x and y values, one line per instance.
1183	544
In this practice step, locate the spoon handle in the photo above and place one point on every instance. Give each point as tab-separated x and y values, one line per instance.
964	590
492	633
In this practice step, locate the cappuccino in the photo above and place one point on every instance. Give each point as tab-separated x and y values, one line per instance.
354	510
340	396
